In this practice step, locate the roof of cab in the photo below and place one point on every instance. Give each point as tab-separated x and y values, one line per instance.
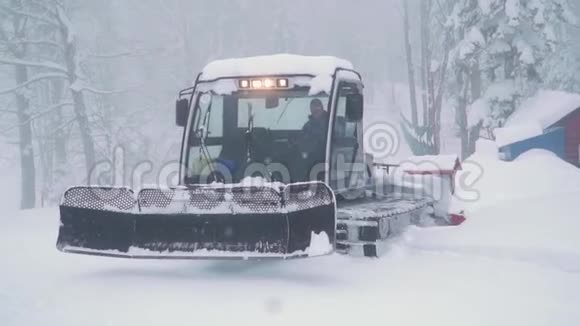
278	64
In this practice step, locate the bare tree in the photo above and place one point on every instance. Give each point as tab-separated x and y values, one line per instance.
40	45
410	63
17	49
68	39
425	137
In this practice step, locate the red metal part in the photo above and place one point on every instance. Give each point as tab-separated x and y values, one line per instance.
457	219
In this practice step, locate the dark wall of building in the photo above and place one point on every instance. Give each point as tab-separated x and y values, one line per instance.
572	125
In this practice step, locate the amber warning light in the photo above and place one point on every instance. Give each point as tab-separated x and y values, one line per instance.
263	83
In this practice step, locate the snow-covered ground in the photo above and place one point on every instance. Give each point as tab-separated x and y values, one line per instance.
10	189
516	261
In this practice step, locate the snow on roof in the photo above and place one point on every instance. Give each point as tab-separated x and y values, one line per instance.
544	109
278	64
509	135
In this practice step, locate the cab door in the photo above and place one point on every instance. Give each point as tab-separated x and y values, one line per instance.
347	162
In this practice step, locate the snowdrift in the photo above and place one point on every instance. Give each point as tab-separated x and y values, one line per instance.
527	210
514	262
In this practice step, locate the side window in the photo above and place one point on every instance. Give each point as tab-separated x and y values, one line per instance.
345	154
343	128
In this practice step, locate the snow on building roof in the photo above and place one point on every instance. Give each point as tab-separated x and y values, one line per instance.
544	109
509	135
278	64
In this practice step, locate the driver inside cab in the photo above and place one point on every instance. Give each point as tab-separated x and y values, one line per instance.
315	127
314	132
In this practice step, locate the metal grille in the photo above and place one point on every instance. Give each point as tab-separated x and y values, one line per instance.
158	198
100	198
257	199
206	198
307	196
237	200
241	199
180	200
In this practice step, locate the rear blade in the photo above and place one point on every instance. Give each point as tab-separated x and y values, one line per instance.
200	222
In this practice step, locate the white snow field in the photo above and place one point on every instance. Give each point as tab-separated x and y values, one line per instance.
515	261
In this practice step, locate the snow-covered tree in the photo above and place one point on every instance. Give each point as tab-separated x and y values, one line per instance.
20	25
562	68
40	42
424	135
502	49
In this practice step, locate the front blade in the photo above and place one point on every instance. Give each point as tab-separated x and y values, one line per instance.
200	222
97	219
311	216
212	221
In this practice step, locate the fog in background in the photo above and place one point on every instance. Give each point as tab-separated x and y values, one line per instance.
127	61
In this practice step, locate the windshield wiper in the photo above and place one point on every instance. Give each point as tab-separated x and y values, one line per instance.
202	132
249	133
282	114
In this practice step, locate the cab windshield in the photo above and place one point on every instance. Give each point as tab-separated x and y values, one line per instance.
256	133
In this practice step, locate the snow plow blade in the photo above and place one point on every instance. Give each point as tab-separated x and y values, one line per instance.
200	222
